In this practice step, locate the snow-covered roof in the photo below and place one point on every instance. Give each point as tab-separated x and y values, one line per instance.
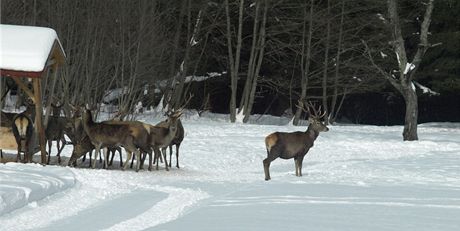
27	48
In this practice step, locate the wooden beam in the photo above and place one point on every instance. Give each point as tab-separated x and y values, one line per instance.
51	94
38	118
25	88
29	74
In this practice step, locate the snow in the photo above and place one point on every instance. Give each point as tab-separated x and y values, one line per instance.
409	67
25	184
425	89
114	94
380	16
25	48
356	177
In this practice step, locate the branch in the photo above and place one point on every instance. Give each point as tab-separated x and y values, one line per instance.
387	76
423	45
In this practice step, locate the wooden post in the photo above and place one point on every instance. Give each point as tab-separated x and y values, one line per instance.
51	94
38	118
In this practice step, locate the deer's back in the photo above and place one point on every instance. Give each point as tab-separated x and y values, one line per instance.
288	144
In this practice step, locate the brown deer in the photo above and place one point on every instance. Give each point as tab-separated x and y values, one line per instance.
141	142
82	144
177	140
287	145
23	129
55	132
111	135
162	136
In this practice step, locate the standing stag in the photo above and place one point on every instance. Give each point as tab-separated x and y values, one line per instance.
160	138
55	132
287	145
110	135
177	140
165	134
82	144
23	129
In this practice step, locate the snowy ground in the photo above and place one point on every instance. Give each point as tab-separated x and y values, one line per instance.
355	178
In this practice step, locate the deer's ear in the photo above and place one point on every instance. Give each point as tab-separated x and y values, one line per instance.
310	120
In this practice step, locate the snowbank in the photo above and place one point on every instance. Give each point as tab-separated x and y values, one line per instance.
22	184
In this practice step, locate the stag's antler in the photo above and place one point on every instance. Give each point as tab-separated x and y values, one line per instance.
311	107
186	102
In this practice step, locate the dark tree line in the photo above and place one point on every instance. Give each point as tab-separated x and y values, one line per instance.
317	50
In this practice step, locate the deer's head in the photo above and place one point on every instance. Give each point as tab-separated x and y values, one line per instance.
315	117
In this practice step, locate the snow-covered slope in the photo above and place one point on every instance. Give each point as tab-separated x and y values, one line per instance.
355	178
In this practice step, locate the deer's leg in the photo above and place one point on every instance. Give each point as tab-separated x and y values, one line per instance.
100	157
106	157
27	156
50	143
59	149
271	156
128	158
97	153
84	158
296	162
161	157
132	161
121	157
177	155
163	150
111	158
150	160
90	158
157	155
300	160
170	155
18	156
138	162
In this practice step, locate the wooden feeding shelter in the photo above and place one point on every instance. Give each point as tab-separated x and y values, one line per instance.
27	55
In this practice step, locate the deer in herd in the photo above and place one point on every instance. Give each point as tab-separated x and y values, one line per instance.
23	129
177	140
102	135
55	132
287	145
161	137
82	144
167	133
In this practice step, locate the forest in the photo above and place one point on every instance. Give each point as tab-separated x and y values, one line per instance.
256	57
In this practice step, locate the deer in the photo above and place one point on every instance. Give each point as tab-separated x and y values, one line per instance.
287	145
104	135
142	142
23	129
55	132
177	140
162	136
82	144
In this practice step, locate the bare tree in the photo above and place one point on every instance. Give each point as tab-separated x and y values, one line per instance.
255	59
234	61
305	60
404	82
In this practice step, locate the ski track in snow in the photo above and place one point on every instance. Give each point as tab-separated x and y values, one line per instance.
92	190
215	153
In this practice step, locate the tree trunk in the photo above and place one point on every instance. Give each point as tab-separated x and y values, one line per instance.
257	63
326	63
333	112
305	63
234	62
411	118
